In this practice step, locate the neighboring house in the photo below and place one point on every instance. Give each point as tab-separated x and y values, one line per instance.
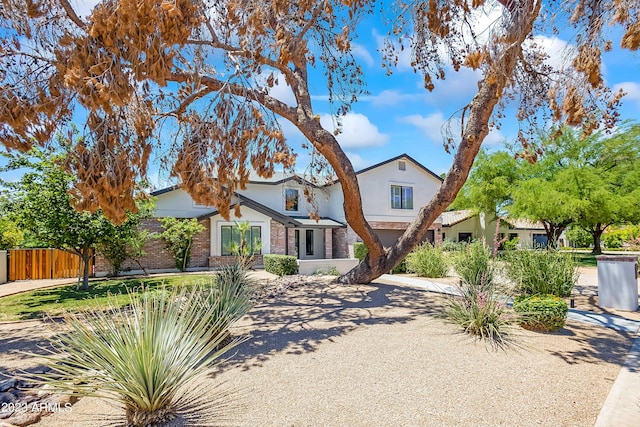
467	225
392	192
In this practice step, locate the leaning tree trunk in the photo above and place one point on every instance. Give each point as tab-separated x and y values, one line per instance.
476	128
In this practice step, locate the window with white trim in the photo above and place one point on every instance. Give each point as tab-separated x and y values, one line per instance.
291	199
229	234
401	197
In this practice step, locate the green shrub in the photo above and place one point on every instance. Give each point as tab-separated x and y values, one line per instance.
541	272
145	356
453	246
400	268
541	312
473	264
178	235
480	311
427	261
360	250
616	237
282	265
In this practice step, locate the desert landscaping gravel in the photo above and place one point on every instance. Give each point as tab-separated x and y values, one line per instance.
321	354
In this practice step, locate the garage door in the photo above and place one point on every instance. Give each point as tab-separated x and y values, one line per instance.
389	237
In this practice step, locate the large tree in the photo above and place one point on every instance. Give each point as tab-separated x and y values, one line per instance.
208	67
40	204
587	180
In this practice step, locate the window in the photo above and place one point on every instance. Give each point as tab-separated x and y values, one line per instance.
444	235
402	166
465	237
290	199
230	235
401	197
309	242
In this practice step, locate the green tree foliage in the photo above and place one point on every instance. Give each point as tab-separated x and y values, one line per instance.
178	235
41	204
590	180
10	234
488	188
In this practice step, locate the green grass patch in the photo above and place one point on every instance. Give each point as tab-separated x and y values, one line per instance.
585	260
55	301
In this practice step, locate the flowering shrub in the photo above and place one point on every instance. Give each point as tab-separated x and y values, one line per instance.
541	312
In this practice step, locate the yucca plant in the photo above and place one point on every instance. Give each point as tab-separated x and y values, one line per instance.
231	294
144	356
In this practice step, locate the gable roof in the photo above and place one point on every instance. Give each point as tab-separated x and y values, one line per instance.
451	218
287	221
401	156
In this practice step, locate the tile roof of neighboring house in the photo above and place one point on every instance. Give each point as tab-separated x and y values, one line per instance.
524	224
453	217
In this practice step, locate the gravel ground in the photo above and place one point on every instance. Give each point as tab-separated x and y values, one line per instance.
377	355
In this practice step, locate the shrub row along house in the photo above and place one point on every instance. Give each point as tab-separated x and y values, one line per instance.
278	213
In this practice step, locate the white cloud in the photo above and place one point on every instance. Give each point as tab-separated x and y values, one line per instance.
435	127
357	130
632	90
431	125
280	89
357	161
388	98
83	7
361	52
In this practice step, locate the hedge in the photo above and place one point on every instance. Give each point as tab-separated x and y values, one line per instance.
282	265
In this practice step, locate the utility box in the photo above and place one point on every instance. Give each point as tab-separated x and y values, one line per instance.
618	281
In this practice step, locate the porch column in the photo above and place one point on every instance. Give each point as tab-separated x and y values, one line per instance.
328	243
291	241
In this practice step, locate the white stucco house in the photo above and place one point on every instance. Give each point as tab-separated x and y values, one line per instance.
392	192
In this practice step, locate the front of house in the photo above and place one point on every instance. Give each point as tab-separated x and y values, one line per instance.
278	214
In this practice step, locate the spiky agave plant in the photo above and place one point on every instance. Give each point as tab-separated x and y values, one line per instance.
143	356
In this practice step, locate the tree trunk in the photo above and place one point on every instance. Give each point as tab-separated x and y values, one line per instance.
477	116
86	255
553	232
597	235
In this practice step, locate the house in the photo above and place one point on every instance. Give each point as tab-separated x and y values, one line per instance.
278	213
467	225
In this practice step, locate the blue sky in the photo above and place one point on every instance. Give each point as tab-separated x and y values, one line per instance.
400	116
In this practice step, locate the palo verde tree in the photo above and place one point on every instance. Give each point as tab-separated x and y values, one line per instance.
208	66
40	204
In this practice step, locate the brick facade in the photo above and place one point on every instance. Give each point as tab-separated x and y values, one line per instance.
339	248
328	243
157	257
278	238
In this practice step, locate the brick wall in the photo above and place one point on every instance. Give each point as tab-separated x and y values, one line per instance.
339	243
157	257
291	242
278	238
328	243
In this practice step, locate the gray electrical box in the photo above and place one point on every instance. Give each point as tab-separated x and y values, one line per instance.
618	281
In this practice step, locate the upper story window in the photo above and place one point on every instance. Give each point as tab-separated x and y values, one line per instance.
291	199
401	197
402	165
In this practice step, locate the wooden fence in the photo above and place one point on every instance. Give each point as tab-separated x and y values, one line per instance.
33	264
